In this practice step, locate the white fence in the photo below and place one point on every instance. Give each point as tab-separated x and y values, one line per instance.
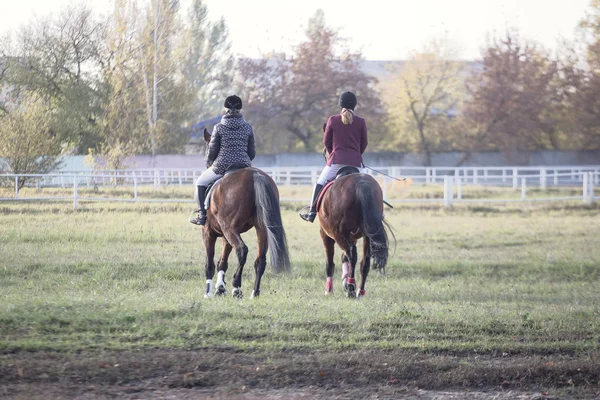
452	178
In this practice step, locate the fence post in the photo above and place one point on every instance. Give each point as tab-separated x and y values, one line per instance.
135	188
555	177
16	187
385	185
288	177
448	191
75	194
543	178
458	188
591	187
503	175
523	188
155	178
515	178
474	176
179	174
585	189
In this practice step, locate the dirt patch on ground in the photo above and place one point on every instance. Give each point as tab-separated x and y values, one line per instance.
228	374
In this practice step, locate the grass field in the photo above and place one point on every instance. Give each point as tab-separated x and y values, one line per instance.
475	298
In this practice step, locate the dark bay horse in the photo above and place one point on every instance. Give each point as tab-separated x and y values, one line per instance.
352	208
241	200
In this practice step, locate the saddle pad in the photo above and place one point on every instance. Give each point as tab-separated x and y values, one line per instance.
209	192
349	170
320	198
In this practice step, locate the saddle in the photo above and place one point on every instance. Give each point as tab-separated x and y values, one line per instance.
348	170
210	187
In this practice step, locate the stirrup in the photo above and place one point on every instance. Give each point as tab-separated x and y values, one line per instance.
307	216
199	219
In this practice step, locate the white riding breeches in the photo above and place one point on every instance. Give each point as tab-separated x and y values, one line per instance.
330	171
207	177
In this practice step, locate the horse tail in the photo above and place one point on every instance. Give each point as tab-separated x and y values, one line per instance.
373	224
268	215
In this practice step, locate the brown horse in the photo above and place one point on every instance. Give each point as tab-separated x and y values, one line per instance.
352	208
241	200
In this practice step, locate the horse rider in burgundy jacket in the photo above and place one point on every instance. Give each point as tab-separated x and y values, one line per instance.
345	140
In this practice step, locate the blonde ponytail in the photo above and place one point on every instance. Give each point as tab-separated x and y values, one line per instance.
346	116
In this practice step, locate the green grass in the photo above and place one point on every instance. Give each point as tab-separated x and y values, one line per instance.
517	281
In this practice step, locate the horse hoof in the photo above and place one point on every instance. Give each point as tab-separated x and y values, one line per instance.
208	295
221	291
237	293
351	284
345	284
360	294
254	294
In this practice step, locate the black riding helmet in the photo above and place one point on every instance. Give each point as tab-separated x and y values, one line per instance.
233	102
348	100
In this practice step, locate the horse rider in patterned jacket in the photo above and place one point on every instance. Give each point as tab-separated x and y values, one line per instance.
231	143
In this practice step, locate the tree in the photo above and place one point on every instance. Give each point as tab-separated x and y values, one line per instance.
208	64
583	83
5	63
424	96
510	98
27	145
167	99
123	130
57	59
289	98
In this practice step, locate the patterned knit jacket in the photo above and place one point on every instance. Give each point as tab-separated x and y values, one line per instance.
232	142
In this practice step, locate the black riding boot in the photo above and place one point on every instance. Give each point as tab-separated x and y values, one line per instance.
310	216
200	219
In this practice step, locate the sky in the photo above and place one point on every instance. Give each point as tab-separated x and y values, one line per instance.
381	29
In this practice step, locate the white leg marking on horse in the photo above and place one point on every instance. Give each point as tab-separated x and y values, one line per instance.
329	286
209	288
221	278
345	269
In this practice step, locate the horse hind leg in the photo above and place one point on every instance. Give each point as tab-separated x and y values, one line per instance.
352	257
241	250
329	245
365	267
260	263
345	271
209	243
222	265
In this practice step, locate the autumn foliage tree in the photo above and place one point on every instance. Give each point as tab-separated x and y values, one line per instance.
423	95
583	83
27	144
510	98
289	98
